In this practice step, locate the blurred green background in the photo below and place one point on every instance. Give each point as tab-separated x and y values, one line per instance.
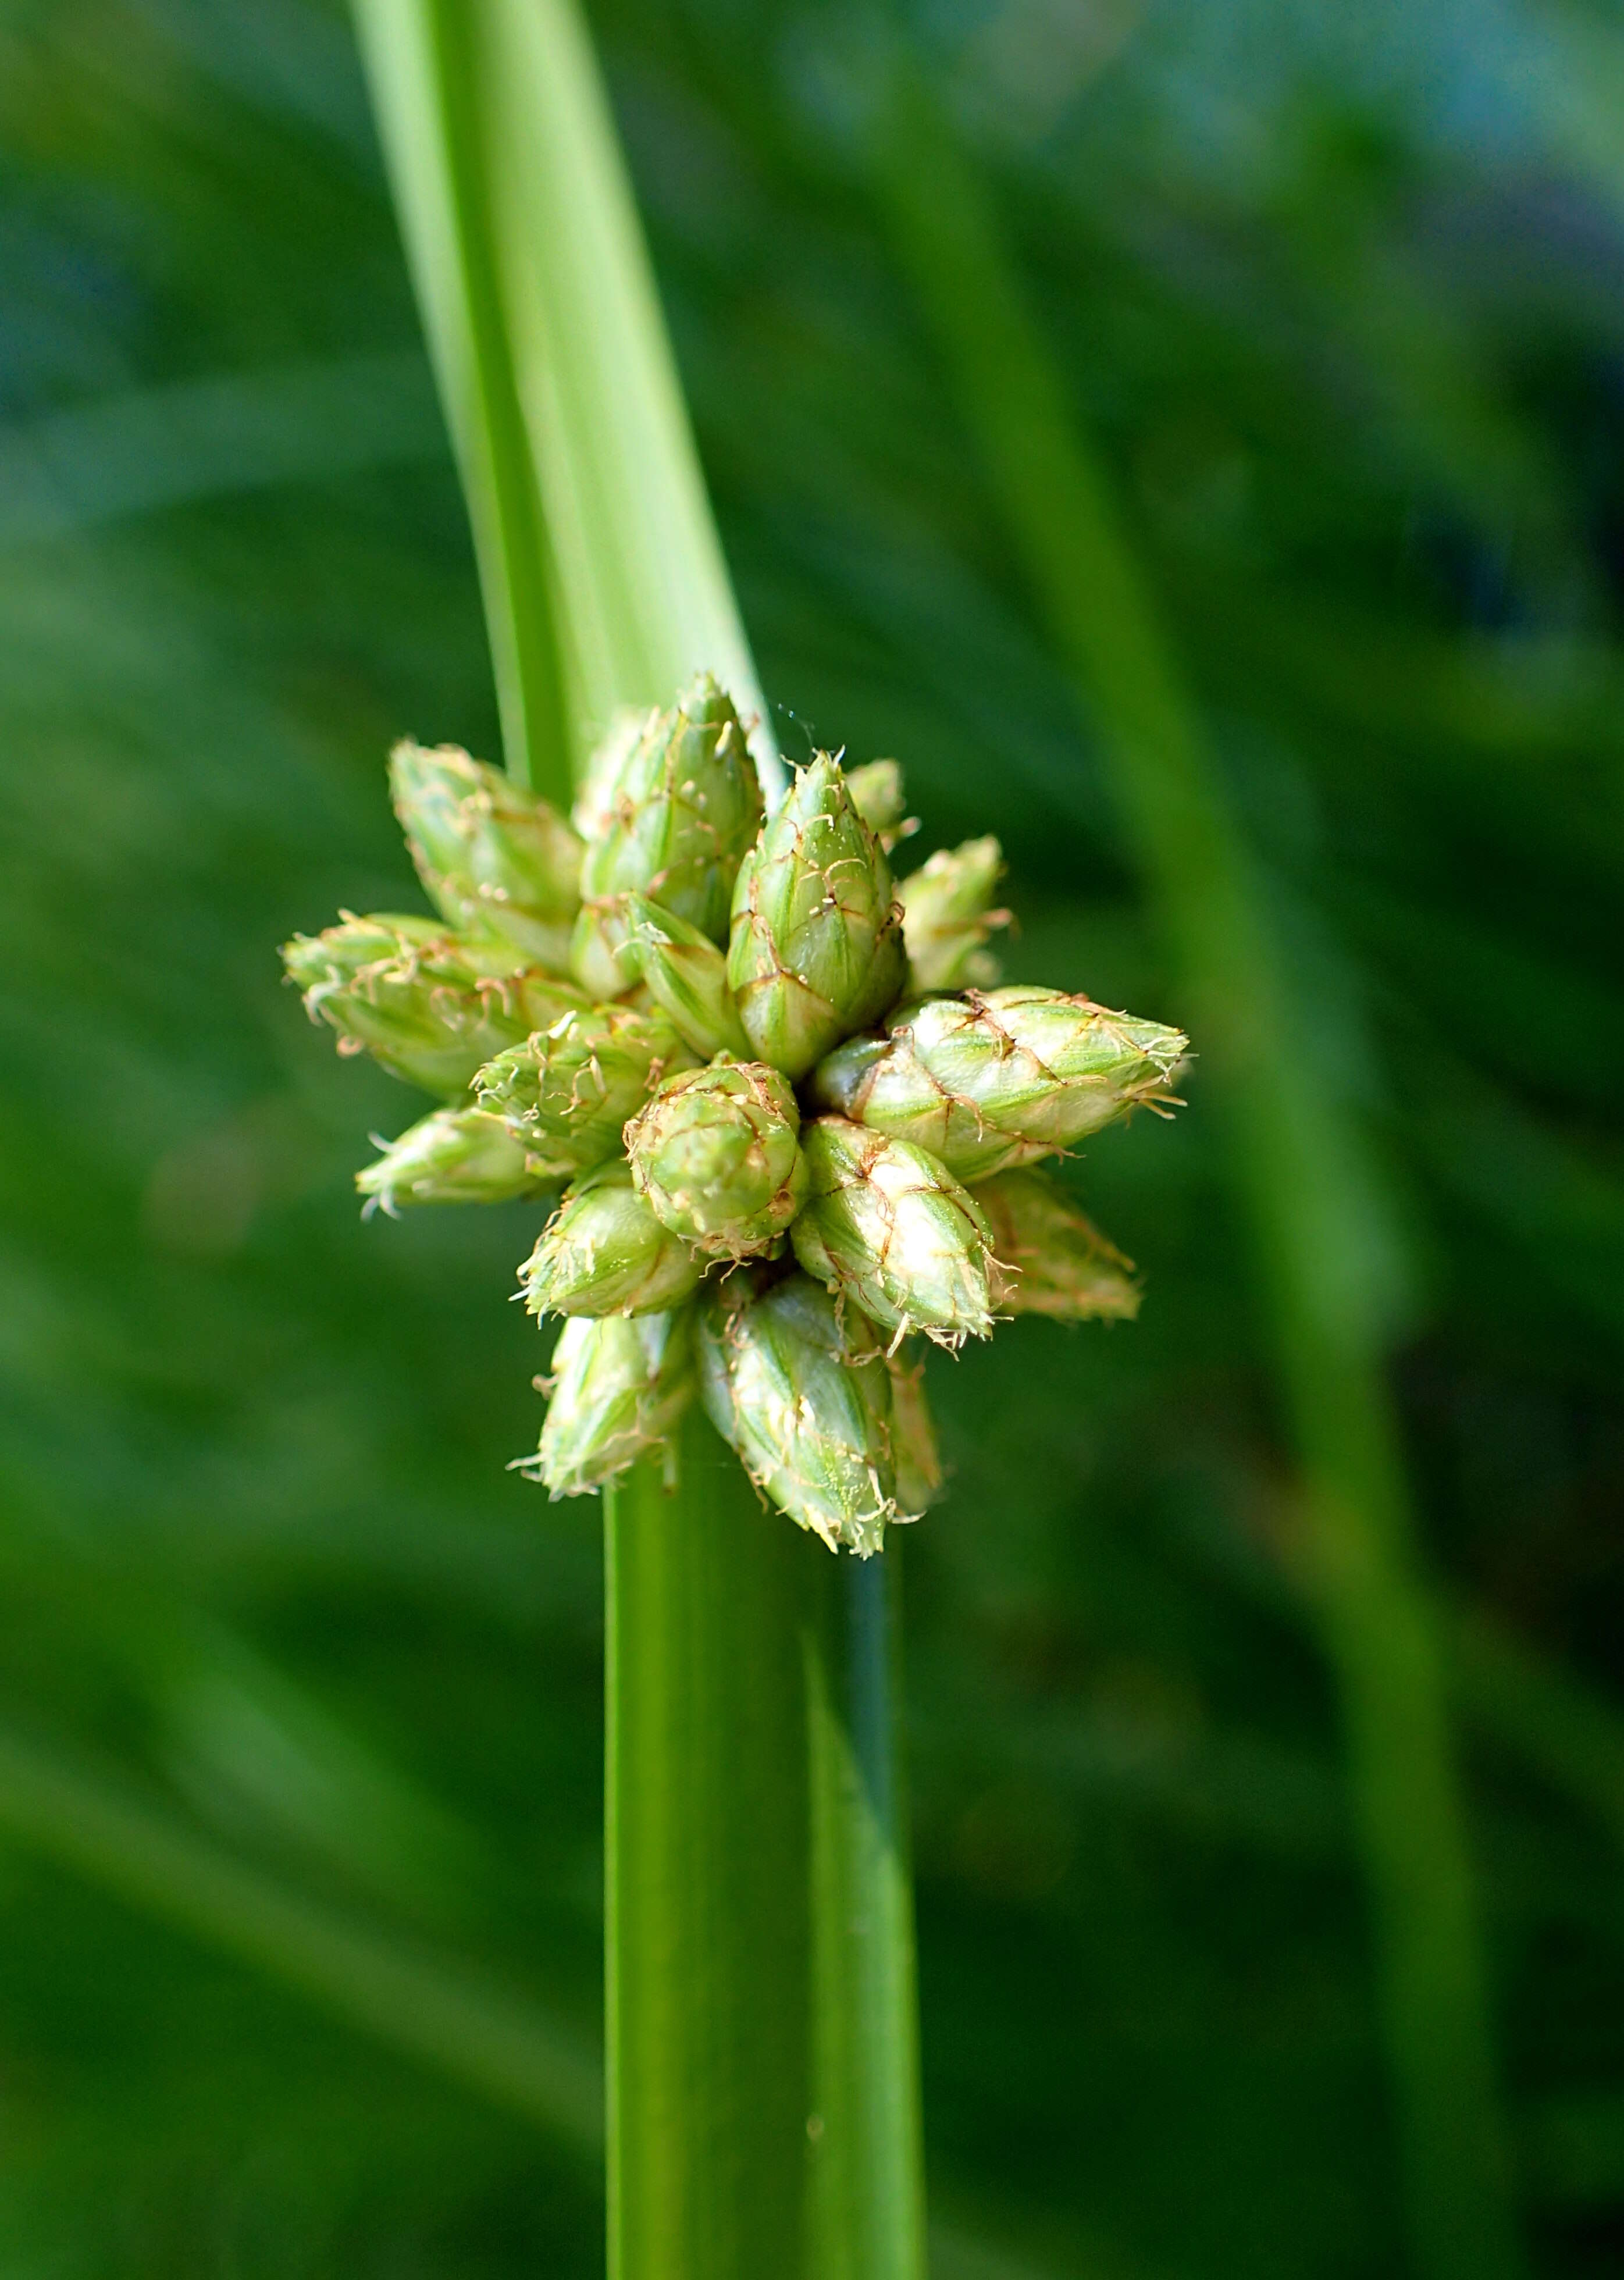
299	1690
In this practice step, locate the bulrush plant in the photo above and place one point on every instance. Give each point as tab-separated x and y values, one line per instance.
791	1114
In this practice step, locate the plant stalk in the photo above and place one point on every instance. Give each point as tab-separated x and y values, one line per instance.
1293	1164
758	1957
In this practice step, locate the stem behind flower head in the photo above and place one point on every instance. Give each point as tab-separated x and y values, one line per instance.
1290	1152
759	1962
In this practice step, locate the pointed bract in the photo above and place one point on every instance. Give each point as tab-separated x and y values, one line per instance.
683	808
429	1004
1048	1258
600	779
567	1090
492	858
686	975
915	1457
455	1156
620	1386
605	1252
947	917
1005	1077
886	1227
803	1395
716	1154
816	949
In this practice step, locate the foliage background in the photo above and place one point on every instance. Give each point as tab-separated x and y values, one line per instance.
1340	292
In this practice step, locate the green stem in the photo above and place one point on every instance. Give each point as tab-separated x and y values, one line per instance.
1292	1160
732	1653
421	58
708	1985
867	2215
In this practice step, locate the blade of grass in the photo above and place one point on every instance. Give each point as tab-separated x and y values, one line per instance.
1288	1152
579	462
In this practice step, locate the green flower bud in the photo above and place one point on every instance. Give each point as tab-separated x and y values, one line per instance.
876	792
716	1154
886	1228
683	808
566	1091
455	1156
492	859
605	1252
986	1082
803	1395
816	949
914	1454
685	975
947	917
432	1006
1048	1258
593	811
619	1388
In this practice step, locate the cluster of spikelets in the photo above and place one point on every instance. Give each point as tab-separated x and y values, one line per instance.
792	1122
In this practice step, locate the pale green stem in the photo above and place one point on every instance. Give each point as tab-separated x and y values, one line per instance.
867	2212
1288	1151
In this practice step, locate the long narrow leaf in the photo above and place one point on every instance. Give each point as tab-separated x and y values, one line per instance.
1291	1159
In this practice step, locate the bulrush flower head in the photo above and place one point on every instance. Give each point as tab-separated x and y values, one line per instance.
717	963
685	975
1001	1078
801	1391
566	1091
620	1386
430	1005
1048	1258
455	1156
683	809
947	917
888	1229
491	857
716	1155
605	1252
816	949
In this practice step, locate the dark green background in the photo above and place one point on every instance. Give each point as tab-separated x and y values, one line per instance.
1342	292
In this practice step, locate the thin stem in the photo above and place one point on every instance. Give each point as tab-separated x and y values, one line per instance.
1291	1158
709	1984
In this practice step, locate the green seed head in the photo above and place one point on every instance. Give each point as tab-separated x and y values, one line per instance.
620	1386
803	1393
716	1154
431	1005
605	1252
1048	1258
685	975
886	1227
876	792
682	808
455	1156
492	859
988	1081
947	918
566	1091
816	949
914	1454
